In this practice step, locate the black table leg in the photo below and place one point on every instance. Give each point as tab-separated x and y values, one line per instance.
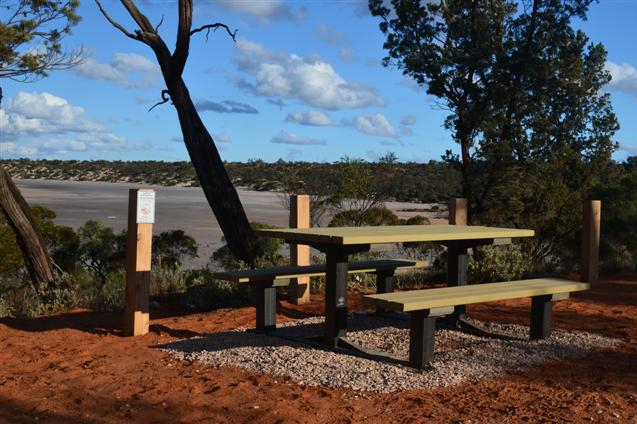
457	270
541	317
335	296
265	295
421	339
384	284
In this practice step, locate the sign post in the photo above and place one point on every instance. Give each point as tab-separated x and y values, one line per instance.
299	291
141	216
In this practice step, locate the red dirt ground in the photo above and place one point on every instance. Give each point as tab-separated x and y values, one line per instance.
76	368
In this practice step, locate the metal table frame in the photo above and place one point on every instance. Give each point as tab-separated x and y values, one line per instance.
337	263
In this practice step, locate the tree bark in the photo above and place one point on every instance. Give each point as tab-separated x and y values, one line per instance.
214	179
17	213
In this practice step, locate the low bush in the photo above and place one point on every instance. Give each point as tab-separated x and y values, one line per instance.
203	292
498	263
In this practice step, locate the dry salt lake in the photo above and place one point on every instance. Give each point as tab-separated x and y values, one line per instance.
184	208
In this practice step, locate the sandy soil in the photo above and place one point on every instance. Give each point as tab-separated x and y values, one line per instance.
76	368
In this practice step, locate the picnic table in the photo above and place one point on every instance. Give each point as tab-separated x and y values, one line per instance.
338	243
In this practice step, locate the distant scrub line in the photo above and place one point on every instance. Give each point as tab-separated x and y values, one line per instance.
416	182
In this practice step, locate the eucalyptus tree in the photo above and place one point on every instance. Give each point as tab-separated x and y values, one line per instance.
214	179
31	34
525	93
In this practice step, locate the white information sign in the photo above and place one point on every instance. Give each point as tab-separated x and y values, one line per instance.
146	207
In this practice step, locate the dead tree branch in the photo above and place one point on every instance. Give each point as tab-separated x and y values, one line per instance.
214	27
165	96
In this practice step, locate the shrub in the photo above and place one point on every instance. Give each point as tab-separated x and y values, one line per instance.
170	248
101	250
224	258
370	217
204	292
498	263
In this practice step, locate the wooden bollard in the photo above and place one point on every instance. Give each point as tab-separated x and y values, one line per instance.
299	291
457	255
458	211
141	216
589	265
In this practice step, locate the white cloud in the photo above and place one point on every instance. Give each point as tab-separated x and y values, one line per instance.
406	123
375	124
223	137
408	120
310	117
264	11
309	79
624	77
10	148
330	35
347	54
42	122
285	137
127	70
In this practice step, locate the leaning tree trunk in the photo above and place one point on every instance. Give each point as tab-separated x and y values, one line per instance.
214	179
17	213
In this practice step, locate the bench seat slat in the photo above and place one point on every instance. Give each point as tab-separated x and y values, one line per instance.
287	272
414	300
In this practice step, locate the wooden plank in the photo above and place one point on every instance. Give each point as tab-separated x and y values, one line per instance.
451	296
280	273
474	289
589	263
458	211
299	291
138	267
391	234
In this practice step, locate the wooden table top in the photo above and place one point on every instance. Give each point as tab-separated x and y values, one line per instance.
391	234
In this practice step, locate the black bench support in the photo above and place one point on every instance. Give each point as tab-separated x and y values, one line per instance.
421	339
265	295
457	269
541	317
384	284
335	296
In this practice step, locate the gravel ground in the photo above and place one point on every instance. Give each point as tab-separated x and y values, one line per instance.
459	357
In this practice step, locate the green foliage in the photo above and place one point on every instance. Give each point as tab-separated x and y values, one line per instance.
101	250
60	241
10	255
618	250
110	295
358	218
31	32
204	292
270	257
170	248
498	263
525	92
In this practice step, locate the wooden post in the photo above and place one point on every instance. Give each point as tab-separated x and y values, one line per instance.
141	216
589	265
458	211
457	255
299	291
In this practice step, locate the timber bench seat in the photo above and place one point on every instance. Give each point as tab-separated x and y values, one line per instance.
265	281
426	305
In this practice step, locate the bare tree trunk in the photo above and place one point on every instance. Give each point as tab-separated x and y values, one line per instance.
214	179
17	213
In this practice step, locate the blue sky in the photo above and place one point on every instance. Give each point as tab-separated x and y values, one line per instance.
302	82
